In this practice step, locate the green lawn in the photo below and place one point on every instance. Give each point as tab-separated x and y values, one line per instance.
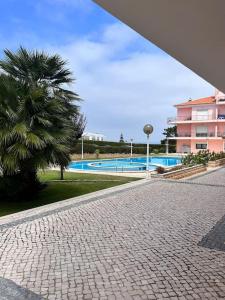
55	191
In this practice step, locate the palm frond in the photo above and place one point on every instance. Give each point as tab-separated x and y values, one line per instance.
37	111
34	141
19	131
19	151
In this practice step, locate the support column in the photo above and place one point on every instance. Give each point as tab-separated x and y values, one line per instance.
167	146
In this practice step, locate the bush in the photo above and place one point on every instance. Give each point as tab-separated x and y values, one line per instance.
214	156
16	188
97	152
155	151
176	168
160	170
114	147
202	157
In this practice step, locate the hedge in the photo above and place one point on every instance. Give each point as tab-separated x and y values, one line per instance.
113	147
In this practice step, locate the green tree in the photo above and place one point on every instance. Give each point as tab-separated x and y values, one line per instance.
170	131
121	138
36	118
78	125
79	122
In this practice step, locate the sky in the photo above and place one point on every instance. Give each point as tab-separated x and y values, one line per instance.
124	81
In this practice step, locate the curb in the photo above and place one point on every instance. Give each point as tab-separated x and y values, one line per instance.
45	210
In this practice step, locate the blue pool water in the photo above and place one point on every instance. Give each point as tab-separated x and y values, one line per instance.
124	164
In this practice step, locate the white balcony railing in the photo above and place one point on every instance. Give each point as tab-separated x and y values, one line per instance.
196	118
221	134
201	135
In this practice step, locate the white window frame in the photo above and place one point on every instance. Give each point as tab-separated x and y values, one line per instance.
199	143
203	131
200	117
188	147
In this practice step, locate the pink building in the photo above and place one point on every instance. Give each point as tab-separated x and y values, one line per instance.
200	124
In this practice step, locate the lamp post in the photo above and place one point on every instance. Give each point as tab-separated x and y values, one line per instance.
82	147
148	129
131	147
167	146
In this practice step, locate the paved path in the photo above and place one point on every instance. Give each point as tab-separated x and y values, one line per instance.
11	291
158	240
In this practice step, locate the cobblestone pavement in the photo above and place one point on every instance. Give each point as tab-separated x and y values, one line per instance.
141	243
11	291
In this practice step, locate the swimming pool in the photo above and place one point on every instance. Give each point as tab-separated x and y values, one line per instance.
136	164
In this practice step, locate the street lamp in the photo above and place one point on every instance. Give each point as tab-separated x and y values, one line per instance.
131	147
148	129
82	146
167	146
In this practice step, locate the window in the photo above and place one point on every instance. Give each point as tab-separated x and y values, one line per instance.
201	131
201	146
201	114
186	148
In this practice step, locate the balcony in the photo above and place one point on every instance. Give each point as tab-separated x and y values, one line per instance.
195	118
221	134
187	135
221	117
209	134
173	120
197	135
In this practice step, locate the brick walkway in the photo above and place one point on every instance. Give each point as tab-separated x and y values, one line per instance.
154	241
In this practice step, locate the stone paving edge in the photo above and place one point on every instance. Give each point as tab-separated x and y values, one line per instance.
41	211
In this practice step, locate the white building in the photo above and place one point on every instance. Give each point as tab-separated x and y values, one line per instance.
91	136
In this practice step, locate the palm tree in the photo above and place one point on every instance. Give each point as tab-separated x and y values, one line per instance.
36	114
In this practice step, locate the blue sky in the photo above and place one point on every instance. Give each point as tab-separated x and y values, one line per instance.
125	81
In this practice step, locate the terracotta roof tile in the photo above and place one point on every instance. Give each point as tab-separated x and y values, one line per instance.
207	100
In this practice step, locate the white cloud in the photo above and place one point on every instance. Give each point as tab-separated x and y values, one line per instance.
122	94
118	36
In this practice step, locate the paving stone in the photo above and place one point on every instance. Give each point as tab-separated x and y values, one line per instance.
9	290
140	243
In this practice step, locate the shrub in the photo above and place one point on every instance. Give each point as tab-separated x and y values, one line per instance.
16	188
160	170
97	152
114	147
155	151
175	168
202	157
214	156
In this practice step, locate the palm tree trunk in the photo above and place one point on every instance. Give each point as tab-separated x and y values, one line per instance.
61	172
30	182
30	176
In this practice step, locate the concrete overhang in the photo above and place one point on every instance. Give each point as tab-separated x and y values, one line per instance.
192	31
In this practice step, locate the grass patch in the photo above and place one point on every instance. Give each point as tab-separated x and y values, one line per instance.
55	175
57	191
